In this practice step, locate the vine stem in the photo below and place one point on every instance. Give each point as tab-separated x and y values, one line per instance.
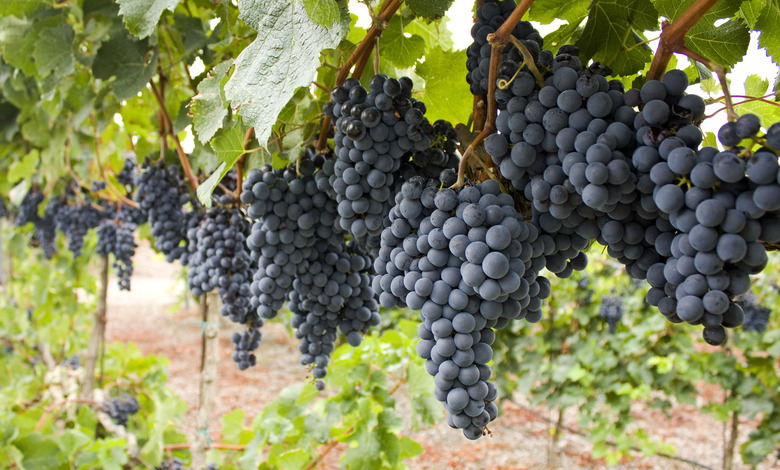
498	41
185	162
329	447
359	58
50	409
250	133
171	447
501	35
208	378
673	36
720	71
98	332
479	107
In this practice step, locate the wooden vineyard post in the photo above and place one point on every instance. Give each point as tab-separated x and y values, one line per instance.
208	379
98	332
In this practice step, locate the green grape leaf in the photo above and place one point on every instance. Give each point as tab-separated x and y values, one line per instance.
751	11
39	454
637	55
209	107
398	49
756	86
429	8
295	459
141	16
53	52
768	23
447	98
232	426
725	44
229	146
434	33
25	167
567	33
284	56
409	448
131	61
607	35
322	12
547	11
20	8
16	45
672	9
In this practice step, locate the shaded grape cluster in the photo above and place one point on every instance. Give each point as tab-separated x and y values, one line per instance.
219	258
162	194
377	133
120	408
302	257
117	238
465	260
333	294
611	311
491	16
756	315
625	168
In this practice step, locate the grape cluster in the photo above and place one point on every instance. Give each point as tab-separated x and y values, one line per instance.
612	311
117	239
689	220
75	220
45	228
120	408
161	193
756	316
302	257
219	258
174	463
721	204
129	173
377	131
491	16
465	260
292	213
243	345
333	294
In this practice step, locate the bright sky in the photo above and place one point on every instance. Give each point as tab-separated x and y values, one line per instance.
459	14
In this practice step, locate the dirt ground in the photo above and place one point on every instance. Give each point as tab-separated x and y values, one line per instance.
153	317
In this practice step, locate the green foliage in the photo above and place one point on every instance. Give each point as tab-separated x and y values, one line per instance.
141	16
358	409
282	58
70	70
572	360
429	8
614	30
400	50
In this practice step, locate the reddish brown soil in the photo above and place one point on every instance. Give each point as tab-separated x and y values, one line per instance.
154	318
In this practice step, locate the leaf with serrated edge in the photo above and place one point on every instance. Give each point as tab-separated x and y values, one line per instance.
322	12
756	86
429	8
398	49
53	51
284	56
607	33
125	58
447	99
725	44
141	16
770	31
209	107
228	146
547	11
